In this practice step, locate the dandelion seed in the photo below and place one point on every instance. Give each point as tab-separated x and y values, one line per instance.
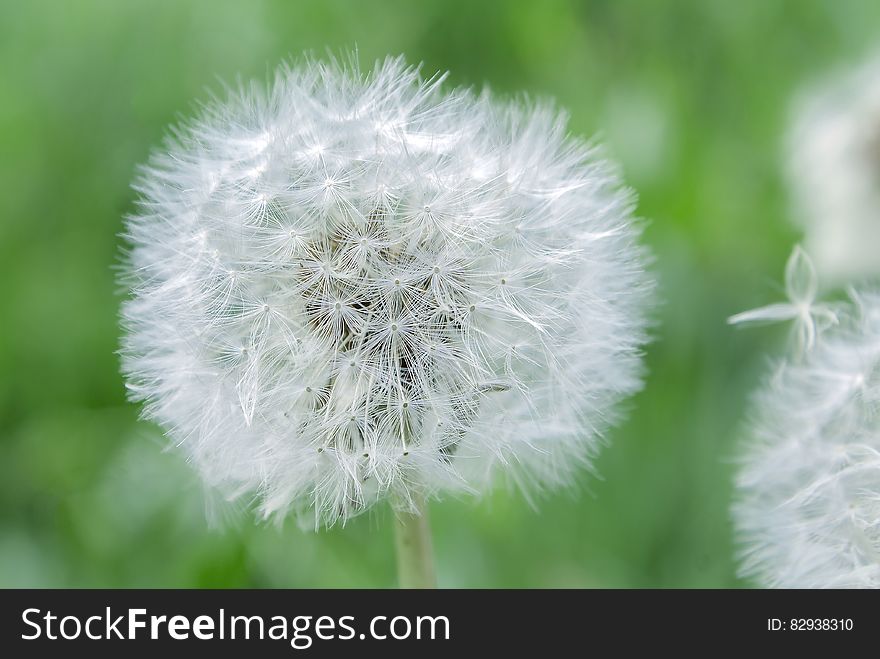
810	318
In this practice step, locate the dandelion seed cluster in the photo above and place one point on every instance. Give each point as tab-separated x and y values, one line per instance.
808	490
349	286
834	171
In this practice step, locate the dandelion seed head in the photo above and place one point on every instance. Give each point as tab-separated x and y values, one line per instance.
808	488
315	316
833	159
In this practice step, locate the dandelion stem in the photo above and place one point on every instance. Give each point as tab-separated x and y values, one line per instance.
415	557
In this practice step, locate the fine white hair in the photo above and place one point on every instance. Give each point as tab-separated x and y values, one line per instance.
352	286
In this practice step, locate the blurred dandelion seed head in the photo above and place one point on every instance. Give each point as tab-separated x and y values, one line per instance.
834	171
808	488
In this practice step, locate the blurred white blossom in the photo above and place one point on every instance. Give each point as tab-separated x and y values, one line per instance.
807	507
834	170
348	286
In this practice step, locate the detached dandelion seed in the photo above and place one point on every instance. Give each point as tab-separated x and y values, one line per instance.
801	285
354	287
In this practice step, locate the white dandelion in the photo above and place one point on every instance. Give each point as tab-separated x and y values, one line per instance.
807	507
834	172
353	287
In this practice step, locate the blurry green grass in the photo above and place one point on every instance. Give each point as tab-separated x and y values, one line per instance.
691	97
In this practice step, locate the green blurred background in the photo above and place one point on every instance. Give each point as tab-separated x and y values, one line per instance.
692	97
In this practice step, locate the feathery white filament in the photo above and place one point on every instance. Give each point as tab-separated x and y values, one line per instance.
808	489
349	286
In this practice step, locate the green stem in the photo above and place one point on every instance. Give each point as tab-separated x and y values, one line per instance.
415	558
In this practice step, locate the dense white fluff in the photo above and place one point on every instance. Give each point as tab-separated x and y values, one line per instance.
808	488
834	168
810	317
351	285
